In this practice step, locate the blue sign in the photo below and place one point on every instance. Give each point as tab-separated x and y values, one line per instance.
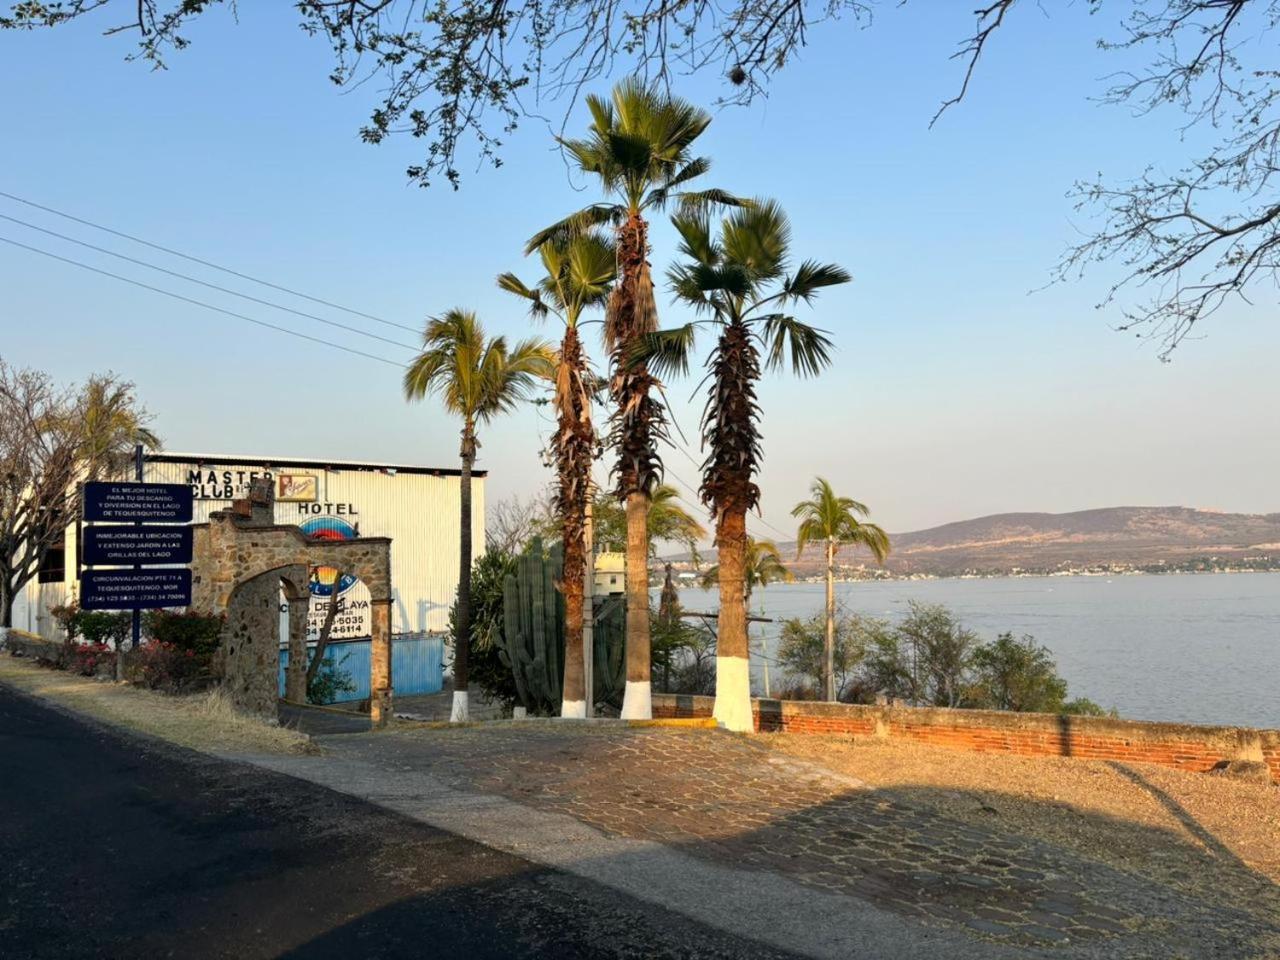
135	589
137	502
135	546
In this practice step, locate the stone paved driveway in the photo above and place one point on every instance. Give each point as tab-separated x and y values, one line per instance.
732	800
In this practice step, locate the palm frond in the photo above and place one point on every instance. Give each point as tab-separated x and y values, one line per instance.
581	221
787	339
810	277
666	351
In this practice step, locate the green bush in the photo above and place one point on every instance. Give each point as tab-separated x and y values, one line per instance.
93	626
1017	675
802	653
485	667
329	681
190	630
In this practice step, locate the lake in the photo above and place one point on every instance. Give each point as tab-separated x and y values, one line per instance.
1187	648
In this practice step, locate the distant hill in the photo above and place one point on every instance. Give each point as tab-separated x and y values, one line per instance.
1044	542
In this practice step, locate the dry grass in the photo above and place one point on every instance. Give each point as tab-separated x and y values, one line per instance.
1190	830
204	721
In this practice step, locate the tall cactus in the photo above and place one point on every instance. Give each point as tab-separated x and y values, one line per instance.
533	634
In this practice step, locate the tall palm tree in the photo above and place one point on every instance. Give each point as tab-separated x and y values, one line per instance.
834	521
638	146
476	378
739	281
579	272
763	565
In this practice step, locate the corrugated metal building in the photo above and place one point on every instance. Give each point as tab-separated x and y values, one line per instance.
417	507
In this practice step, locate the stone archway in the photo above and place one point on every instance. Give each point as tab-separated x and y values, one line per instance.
250	649
240	560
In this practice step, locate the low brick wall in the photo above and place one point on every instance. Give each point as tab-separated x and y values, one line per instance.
1178	745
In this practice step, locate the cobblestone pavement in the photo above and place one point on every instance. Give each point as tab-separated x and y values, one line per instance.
733	800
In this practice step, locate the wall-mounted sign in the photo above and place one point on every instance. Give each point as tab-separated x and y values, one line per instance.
135	589
222	484
137	502
135	546
296	487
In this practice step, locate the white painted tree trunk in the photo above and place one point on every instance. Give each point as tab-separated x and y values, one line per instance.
733	694
637	700
460	713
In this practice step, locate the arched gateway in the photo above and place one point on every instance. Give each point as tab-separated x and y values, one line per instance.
242	559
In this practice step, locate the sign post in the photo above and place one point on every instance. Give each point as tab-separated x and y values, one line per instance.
141	532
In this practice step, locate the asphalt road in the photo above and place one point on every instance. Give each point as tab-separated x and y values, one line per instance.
120	848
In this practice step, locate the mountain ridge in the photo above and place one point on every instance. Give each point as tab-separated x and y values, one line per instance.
1137	537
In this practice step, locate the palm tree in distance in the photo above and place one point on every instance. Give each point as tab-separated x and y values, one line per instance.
638	146
762	566
739	279
833	520
476	378
579	273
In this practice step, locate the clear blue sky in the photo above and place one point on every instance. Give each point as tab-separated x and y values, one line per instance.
955	392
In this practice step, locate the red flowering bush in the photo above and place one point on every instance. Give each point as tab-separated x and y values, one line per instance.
90	659
159	665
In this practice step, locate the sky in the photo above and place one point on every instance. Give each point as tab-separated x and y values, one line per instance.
961	386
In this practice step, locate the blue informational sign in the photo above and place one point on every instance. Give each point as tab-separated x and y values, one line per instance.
112	546
137	502
135	589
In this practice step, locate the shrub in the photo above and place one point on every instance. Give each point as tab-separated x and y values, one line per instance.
94	626
1017	675
485	667
1084	707
159	665
190	630
101	627
329	681
90	659
802	646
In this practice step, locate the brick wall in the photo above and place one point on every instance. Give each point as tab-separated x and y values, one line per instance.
1029	734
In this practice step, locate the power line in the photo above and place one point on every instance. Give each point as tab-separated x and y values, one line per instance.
201	303
205	263
211	286
690	458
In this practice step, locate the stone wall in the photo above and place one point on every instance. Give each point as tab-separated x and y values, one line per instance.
242	559
1184	746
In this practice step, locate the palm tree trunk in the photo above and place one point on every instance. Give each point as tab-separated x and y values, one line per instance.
733	678
829	646
573	451
637	701
462	621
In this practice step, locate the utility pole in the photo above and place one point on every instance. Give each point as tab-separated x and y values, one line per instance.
589	603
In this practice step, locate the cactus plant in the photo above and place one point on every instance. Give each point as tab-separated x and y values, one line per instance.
533	634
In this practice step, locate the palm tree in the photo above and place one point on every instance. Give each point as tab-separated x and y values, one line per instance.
739	281
579	273
834	520
762	566
477	378
667	519
638	145
111	425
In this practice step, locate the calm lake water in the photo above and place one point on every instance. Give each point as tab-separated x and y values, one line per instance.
1189	648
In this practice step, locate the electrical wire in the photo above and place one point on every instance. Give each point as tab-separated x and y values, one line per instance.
211	286
205	263
200	303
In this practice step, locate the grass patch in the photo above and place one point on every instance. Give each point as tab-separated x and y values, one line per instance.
205	721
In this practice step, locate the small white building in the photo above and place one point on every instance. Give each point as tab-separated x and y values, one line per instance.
417	507
611	573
